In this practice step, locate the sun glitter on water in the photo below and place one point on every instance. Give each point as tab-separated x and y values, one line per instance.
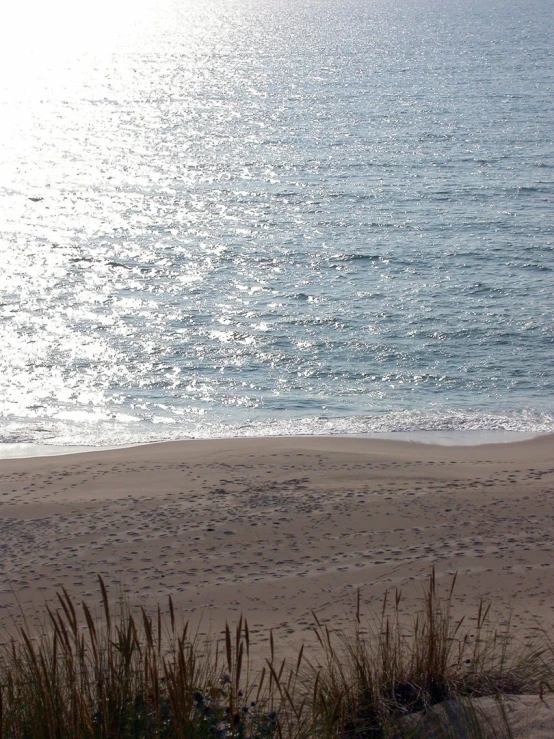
232	218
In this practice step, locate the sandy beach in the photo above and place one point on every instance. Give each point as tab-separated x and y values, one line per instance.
274	528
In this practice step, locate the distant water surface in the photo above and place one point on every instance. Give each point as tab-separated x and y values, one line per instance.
234	218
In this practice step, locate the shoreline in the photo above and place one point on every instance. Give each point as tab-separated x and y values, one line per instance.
475	437
277	527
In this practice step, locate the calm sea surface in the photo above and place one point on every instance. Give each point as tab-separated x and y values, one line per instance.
237	217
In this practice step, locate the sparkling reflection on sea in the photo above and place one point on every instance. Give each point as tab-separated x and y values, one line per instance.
234	218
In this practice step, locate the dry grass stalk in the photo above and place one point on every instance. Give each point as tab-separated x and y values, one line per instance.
122	675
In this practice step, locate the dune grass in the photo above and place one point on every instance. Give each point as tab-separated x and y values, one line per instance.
126	673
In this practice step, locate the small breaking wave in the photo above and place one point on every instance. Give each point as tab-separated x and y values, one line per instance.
450	427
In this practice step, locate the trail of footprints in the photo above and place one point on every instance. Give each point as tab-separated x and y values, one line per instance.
260	526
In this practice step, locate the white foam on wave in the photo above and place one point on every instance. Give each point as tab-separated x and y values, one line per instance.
438	424
453	428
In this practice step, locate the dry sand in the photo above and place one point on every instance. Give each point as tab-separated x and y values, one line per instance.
275	528
528	717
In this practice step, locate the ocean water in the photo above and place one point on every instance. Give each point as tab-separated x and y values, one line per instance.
238	217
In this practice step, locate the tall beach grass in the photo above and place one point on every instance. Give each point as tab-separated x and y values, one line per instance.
123	672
